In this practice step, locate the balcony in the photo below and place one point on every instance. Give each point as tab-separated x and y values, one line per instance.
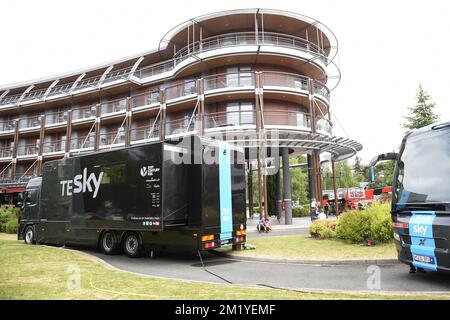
85	112
144	100
181	126
218	82
6	152
229	40
112	138
113	107
55	118
144	133
29	123
81	143
227	119
55	146
27	150
6	126
182	90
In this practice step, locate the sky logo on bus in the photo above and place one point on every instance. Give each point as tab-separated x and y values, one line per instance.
419	229
81	183
148	171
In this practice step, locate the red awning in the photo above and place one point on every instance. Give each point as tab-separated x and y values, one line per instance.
12	190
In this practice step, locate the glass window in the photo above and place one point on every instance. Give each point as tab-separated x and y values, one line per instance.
233	114
246	113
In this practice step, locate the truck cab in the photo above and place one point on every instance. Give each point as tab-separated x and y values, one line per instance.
29	210
421	197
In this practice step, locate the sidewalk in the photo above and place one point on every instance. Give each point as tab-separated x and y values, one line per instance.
297	223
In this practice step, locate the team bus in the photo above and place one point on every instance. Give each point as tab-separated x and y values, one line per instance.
162	194
421	198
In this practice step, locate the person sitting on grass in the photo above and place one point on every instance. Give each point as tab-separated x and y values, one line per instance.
267	225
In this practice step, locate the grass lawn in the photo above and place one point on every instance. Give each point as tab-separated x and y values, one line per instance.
304	247
37	272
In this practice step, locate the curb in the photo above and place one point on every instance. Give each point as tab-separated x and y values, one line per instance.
360	262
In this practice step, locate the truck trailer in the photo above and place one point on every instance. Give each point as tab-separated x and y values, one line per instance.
188	193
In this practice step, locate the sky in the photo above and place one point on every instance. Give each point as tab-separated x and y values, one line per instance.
386	49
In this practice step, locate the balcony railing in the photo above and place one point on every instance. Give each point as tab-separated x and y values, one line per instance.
77	143
27	149
325	126
31	122
229	80
117	75
145	132
181	125
282	79
86	83
61	89
7	125
54	146
180	90
287	118
232	40
6	152
113	106
229	119
83	112
145	99
111	138
55	118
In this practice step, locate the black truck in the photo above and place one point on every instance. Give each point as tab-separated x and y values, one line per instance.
421	197
188	193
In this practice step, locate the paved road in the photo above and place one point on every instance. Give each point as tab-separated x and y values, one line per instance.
187	266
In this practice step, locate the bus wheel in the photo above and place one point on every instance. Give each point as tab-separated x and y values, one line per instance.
29	235
132	245
109	243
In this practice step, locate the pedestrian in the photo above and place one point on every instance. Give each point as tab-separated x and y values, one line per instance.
313	209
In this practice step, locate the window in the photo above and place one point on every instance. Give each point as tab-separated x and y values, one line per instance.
239	113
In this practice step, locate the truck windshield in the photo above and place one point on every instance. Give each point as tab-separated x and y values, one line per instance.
423	169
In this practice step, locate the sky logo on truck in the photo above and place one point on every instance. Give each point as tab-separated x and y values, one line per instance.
82	183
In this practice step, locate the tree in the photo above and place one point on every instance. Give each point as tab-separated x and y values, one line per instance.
422	113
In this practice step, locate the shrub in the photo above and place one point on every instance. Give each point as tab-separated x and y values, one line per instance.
7	213
323	229
12	226
300	212
373	223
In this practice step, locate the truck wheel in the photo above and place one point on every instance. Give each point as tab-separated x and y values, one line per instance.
29	235
132	245
109	243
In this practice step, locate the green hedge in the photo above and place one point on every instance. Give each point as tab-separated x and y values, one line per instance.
8	213
301	212
373	223
323	229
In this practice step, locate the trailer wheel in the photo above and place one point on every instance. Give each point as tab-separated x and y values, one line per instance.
109	243
132	245
29	235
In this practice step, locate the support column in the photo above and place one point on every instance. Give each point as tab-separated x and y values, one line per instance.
14	152
258	153
336	204
162	117
317	177
68	134
201	107
287	186
128	123
279	194
97	128
250	188
41	145
311	180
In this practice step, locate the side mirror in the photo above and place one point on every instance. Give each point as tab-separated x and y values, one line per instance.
383	157
20	200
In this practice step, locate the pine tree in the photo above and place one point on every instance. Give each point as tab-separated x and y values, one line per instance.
422	113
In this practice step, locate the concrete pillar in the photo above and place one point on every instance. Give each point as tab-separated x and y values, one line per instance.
287	186
250	189
128	120
279	194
